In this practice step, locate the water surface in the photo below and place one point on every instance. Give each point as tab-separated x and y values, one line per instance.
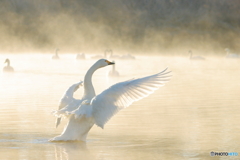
195	113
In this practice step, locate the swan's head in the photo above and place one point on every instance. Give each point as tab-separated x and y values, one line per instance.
103	62
56	51
227	49
7	61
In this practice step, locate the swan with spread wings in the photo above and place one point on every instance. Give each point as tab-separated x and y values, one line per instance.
99	109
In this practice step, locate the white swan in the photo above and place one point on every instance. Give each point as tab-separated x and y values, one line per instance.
99	109
80	56
195	57
68	100
100	56
56	54
113	72
113	56
8	68
231	55
127	56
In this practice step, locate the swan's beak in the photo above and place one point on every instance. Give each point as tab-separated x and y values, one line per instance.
109	63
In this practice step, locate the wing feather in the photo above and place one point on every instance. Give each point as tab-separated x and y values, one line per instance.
123	94
67	103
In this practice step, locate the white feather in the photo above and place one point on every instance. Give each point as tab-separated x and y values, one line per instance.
99	109
123	94
68	103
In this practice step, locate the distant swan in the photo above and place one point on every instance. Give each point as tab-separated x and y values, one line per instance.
195	57
68	99
99	109
80	56
127	56
8	68
231	55
56	54
113	56
100	56
113	72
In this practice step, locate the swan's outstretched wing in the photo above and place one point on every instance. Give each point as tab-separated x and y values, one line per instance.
68	96
123	94
67	101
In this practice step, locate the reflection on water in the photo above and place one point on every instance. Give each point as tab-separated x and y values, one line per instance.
71	150
195	113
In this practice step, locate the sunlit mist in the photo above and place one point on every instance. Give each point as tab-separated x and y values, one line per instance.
134	25
47	46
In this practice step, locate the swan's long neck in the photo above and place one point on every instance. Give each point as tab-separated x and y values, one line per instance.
113	67
190	54
8	63
228	52
89	91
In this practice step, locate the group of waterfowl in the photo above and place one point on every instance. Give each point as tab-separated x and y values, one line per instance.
107	54
92	109
113	72
229	55
8	68
112	56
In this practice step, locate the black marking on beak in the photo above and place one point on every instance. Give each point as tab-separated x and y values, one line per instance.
110	63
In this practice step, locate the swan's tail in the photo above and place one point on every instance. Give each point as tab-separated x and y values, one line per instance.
76	130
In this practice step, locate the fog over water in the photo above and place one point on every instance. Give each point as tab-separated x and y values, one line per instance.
133	25
195	113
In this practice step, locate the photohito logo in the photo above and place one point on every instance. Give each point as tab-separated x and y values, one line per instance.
223	153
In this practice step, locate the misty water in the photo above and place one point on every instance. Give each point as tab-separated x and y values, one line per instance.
195	113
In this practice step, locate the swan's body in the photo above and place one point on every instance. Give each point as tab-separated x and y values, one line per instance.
100	56
56	55
127	56
113	56
98	109
231	55
195	57
8	68
80	56
113	72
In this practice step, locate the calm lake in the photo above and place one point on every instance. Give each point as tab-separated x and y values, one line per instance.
195	113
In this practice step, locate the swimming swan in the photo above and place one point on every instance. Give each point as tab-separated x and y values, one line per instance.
80	56
56	54
195	57
113	72
68	100
8	68
113	56
127	56
100	56
99	109
230	54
